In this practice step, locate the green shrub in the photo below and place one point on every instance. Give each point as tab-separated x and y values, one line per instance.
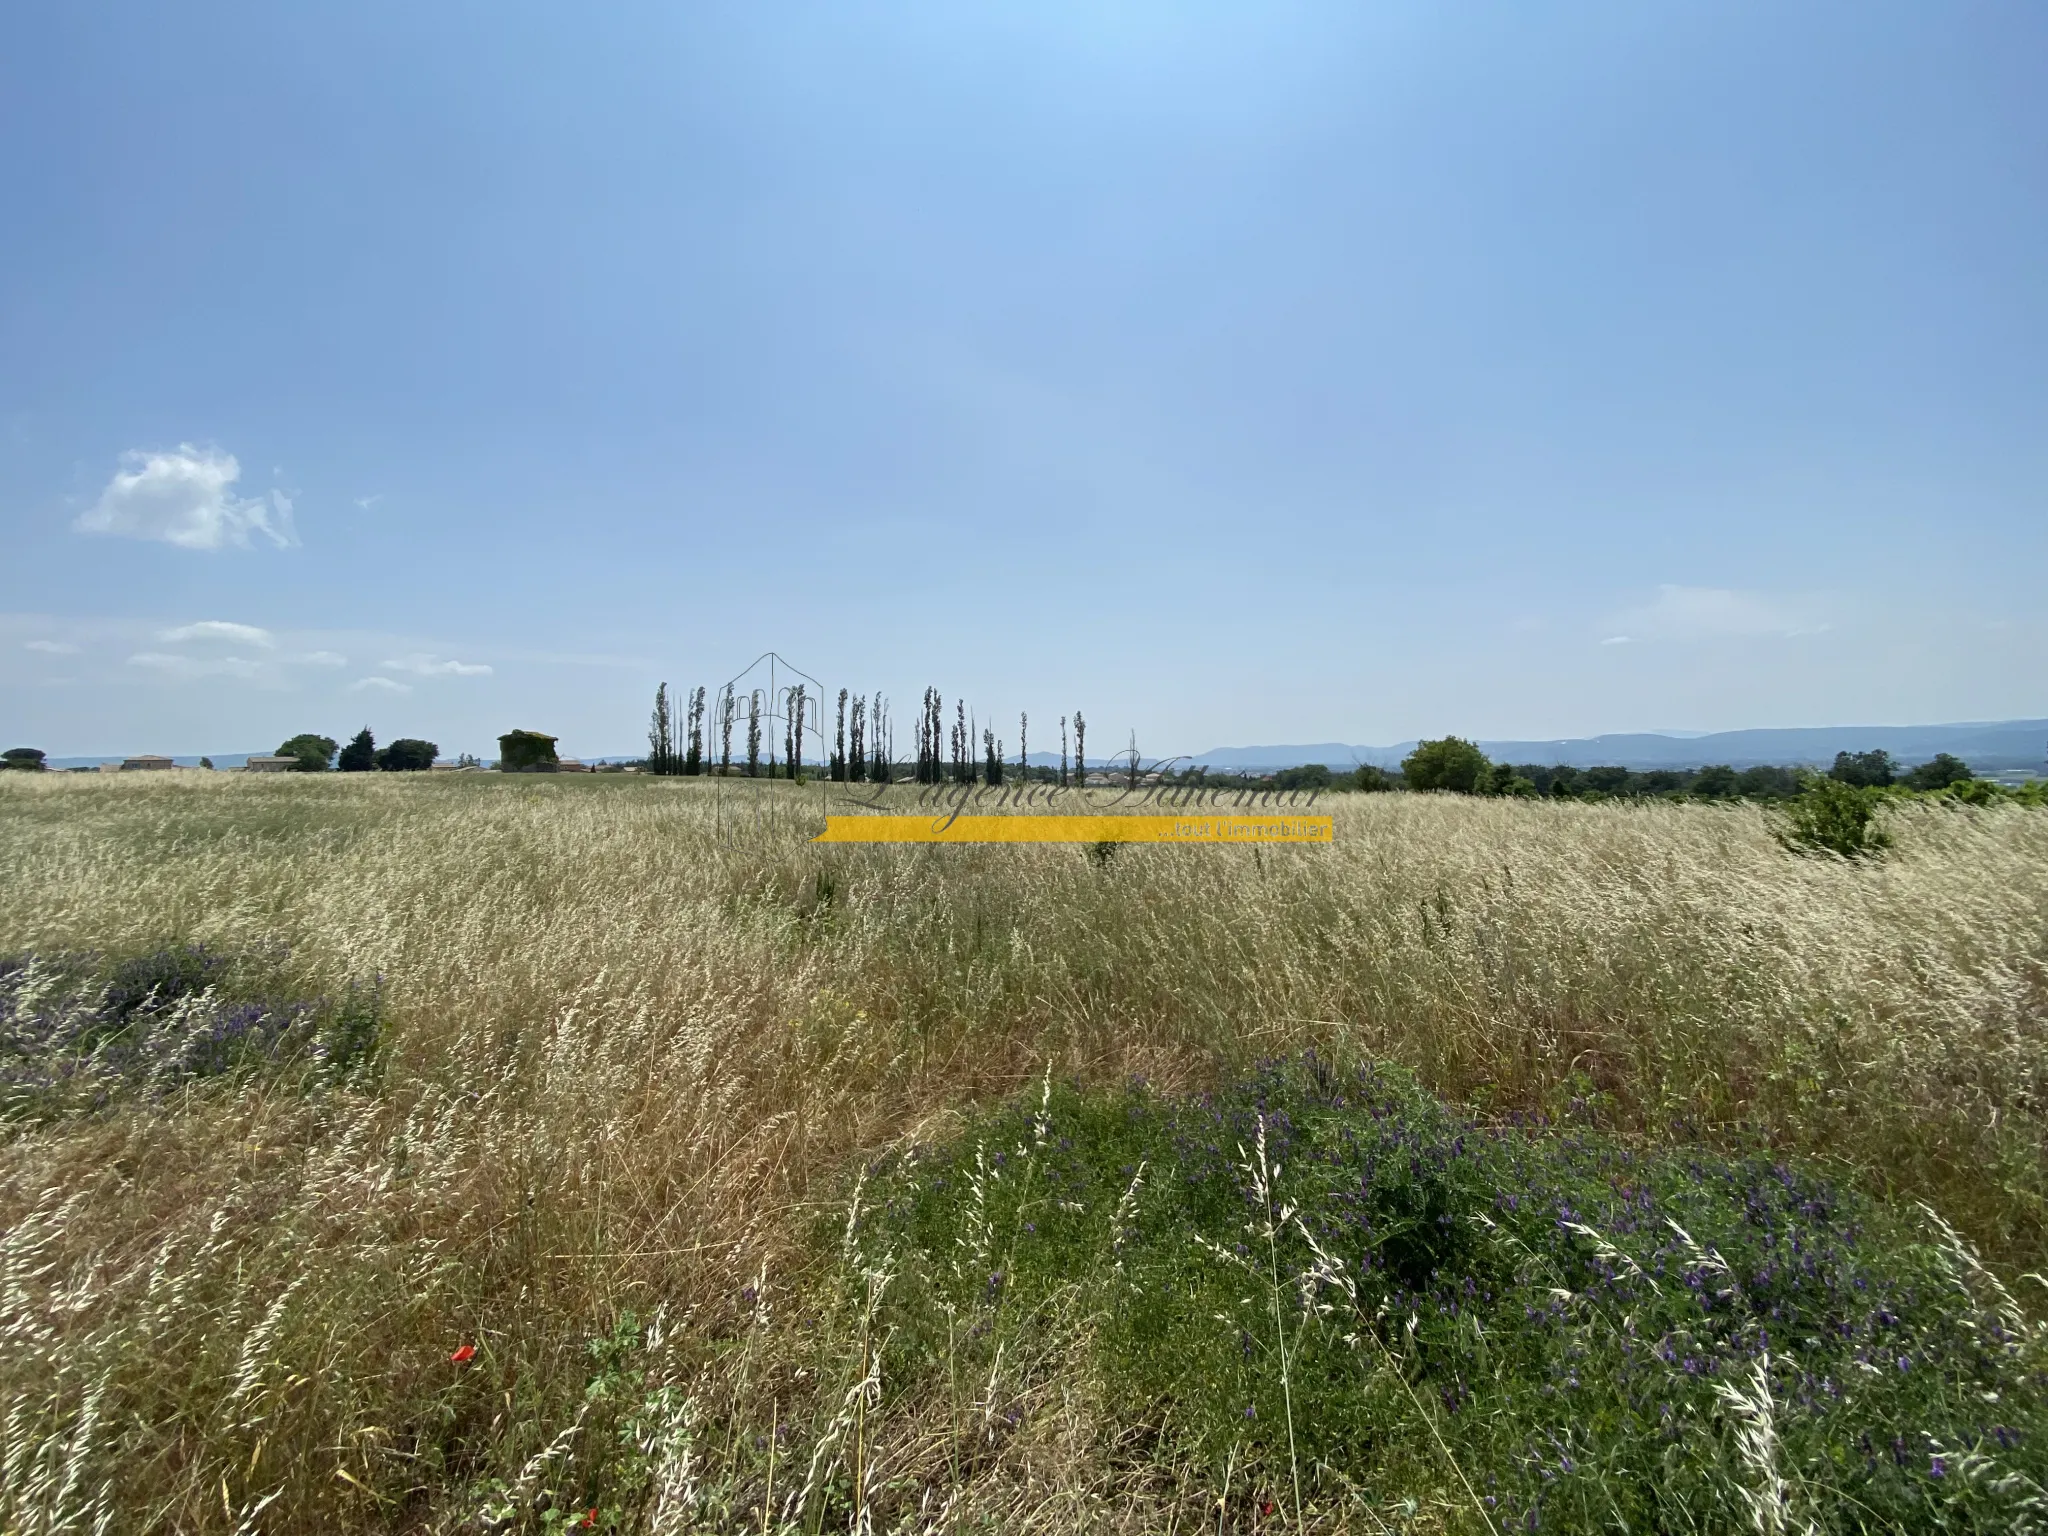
1830	816
22	759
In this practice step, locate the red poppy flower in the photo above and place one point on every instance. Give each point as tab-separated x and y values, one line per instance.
589	1518
463	1355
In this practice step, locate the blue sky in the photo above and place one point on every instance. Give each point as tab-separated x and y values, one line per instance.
1233	374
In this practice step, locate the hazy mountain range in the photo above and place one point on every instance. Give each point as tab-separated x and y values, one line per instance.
1987	746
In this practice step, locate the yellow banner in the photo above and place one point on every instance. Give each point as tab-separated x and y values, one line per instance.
1196	827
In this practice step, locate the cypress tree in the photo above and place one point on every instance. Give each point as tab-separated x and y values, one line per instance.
1080	750
992	751
1023	748
1063	751
693	764
857	742
838	769
726	710
360	755
754	734
796	732
882	758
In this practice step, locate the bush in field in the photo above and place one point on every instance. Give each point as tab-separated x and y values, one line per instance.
1831	816
1450	763
360	755
314	753
408	754
1371	779
22	759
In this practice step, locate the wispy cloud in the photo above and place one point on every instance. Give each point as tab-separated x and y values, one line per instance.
171	664
1717	613
220	629
186	497
428	666
367	502
384	684
52	647
318	659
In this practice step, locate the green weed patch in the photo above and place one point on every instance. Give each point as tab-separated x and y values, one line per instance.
1324	1291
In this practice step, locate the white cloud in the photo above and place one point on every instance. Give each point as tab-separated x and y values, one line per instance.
318	659
1717	613
427	666
186	497
384	683
220	629
52	647
367	502
173	665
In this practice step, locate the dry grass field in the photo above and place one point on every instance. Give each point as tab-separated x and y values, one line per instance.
571	1247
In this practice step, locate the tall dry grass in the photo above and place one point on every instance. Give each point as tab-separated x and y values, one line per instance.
641	1033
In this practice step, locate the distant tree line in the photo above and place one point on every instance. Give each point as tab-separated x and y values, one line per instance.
957	750
1454	764
315	754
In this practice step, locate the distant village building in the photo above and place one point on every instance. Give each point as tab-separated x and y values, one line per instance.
146	762
266	763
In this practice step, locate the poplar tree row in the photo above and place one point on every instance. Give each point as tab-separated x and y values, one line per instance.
863	742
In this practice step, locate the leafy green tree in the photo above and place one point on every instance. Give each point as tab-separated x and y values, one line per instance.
1941	771
408	754
1448	763
22	759
360	755
1372	779
526	751
206	762
1865	770
315	753
1831	816
693	759
661	737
